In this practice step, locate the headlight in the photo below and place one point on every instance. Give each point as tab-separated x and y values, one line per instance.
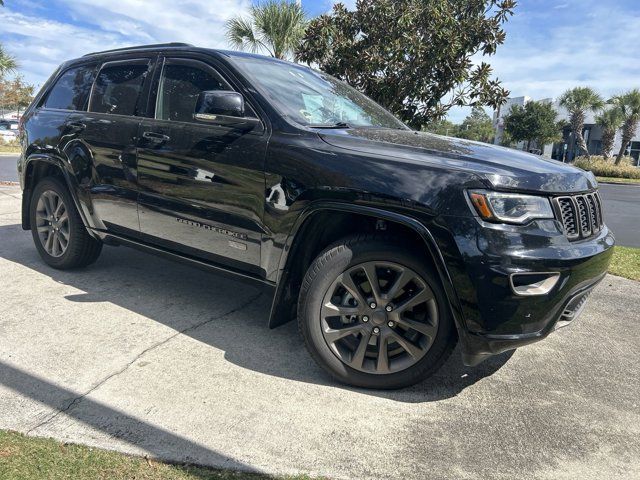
510	207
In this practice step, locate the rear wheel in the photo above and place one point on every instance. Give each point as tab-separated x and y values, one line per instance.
58	232
373	314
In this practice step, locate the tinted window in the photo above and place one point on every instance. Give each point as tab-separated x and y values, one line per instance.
118	88
180	87
72	89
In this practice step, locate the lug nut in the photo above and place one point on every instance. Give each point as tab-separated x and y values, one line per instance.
388	308
365	319
376	330
373	305
391	324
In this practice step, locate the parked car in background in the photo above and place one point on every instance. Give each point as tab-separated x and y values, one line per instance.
10	124
388	245
8	130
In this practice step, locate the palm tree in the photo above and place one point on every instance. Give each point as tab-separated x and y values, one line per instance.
610	120
274	26
629	105
8	63
578	101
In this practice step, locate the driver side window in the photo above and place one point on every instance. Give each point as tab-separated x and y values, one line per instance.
181	83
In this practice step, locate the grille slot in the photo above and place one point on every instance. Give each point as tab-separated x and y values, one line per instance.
581	215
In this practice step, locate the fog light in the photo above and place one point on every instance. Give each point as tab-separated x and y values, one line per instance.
533	283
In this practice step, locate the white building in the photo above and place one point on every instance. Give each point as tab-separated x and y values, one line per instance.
566	150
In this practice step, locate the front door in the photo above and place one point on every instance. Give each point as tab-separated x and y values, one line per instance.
105	156
201	184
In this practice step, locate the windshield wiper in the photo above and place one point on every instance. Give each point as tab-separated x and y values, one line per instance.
330	125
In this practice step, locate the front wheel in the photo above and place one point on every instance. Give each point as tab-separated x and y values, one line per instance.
58	232
374	315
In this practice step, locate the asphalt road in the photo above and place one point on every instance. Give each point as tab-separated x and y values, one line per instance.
621	204
150	357
622	212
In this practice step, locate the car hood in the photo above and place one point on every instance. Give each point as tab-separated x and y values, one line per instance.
501	168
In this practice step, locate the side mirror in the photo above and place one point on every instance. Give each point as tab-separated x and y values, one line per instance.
214	103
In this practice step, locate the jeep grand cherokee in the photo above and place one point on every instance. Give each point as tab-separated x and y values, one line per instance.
388	245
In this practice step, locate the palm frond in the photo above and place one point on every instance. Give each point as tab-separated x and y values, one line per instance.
611	118
8	63
276	26
241	35
581	99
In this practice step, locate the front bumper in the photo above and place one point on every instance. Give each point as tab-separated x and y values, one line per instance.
496	319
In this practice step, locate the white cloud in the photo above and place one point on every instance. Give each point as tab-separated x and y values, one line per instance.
544	55
599	50
41	44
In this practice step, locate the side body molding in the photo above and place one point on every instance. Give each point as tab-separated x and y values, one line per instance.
280	313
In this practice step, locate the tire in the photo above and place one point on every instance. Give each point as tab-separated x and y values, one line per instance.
76	248
411	344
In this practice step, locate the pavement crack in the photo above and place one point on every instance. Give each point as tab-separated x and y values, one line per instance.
76	400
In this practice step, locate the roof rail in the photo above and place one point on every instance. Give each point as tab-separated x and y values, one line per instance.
141	47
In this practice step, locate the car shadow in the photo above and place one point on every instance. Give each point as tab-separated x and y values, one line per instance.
143	284
160	443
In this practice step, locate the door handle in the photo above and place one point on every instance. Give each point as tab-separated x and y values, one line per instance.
156	137
76	127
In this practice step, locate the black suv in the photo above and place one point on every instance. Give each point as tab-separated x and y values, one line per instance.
388	245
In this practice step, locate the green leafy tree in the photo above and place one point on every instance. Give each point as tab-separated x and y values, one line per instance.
442	127
578	101
276	27
16	94
408	55
477	126
536	121
629	105
610	121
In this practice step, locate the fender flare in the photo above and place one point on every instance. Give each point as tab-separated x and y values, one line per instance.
69	179
278	313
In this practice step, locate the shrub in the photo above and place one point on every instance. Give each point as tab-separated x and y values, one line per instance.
606	168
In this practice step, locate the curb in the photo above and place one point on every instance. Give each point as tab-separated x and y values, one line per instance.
619	183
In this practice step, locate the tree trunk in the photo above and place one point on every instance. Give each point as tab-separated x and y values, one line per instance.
628	132
608	137
577	124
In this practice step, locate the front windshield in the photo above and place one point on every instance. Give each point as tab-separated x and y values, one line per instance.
313	98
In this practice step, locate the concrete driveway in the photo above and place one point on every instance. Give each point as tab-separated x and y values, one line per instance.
149	357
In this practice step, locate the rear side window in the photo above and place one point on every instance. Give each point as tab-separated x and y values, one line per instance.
180	86
118	88
71	91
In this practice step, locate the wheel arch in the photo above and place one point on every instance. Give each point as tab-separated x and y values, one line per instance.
39	166
304	242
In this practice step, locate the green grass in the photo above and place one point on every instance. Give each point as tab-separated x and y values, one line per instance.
23	457
635	181
626	263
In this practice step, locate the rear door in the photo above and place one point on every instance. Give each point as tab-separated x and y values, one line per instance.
201	184
108	134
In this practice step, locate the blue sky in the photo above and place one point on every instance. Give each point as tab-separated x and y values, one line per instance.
550	46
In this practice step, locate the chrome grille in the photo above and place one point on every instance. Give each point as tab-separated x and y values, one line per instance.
581	215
